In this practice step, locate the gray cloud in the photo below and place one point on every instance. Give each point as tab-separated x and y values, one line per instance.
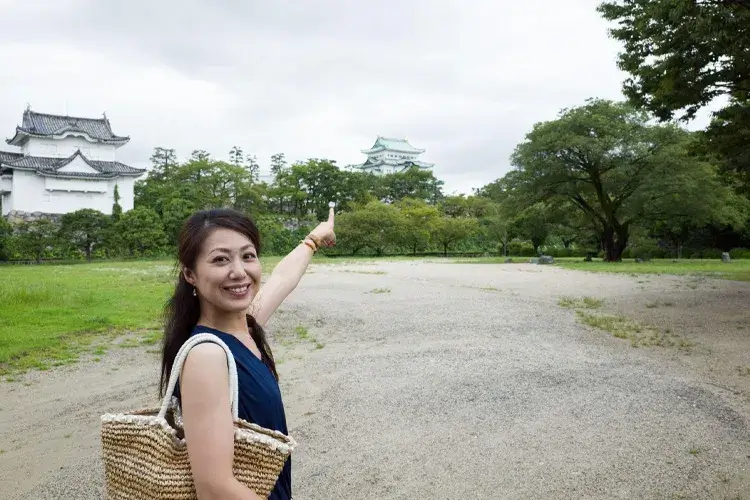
463	79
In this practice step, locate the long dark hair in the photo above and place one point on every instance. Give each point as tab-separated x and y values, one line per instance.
183	310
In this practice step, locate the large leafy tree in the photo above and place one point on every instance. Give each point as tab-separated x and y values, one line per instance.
727	138
418	217
535	224
140	233
410	183
446	230
85	229
306	188
683	54
615	167
376	225
201	182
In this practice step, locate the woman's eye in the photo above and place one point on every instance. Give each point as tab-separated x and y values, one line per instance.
249	256
220	259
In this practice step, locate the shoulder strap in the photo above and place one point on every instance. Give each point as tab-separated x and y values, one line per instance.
180	361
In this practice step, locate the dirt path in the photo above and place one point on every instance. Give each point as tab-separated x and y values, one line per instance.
430	380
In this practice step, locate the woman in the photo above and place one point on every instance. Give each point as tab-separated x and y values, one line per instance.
218	291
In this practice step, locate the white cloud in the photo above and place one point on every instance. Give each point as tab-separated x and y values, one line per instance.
463	79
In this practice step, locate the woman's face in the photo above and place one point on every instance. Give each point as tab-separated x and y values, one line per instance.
227	271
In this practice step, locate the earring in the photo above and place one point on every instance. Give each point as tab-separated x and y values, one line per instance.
195	292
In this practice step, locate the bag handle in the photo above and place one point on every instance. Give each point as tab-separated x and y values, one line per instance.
180	360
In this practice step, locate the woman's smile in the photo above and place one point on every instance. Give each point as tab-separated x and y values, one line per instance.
238	291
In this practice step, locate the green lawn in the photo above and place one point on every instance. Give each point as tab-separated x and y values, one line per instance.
735	270
52	313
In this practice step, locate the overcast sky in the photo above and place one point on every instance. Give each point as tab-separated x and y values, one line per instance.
464	79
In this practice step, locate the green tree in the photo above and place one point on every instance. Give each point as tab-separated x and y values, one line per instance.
534	224
251	164
200	155
730	211
418	217
411	183
727	140
204	183
606	158
162	160
278	163
236	157
306	188
116	208
36	238
499	229
150	190
447	231
176	211
6	234
376	225
85	229
277	237
681	54
140	232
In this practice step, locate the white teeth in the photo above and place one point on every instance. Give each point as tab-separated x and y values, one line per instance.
239	289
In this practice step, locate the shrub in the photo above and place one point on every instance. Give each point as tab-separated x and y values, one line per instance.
739	253
521	249
644	251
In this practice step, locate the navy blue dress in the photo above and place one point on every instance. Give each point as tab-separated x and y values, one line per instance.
260	399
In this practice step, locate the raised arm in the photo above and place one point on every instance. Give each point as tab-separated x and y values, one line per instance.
288	272
209	429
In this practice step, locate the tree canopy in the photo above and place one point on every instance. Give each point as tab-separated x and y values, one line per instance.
681	56
610	163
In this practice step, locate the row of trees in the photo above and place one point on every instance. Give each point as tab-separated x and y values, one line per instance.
600	179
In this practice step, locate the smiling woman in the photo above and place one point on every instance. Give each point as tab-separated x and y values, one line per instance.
219	296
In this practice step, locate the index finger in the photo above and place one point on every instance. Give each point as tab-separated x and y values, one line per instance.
330	215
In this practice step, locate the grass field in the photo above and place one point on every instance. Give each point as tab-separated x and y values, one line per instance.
51	314
736	270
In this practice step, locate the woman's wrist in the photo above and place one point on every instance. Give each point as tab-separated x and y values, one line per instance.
316	241
310	243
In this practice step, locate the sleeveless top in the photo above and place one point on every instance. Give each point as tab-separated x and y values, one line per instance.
260	399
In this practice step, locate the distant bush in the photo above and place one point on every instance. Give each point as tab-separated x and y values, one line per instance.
521	249
739	253
645	251
563	252
705	253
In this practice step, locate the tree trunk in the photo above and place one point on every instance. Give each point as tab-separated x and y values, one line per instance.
445	249
614	241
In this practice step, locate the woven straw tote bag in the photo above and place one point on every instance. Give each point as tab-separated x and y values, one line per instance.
145	454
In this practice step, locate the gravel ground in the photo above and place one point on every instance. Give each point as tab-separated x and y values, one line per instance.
425	380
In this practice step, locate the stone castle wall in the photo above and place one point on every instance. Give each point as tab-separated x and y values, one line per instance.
18	216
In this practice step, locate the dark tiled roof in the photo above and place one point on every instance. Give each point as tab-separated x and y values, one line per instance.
7	156
44	125
51	166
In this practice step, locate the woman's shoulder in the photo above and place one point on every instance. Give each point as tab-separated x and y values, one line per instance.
228	339
197	329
